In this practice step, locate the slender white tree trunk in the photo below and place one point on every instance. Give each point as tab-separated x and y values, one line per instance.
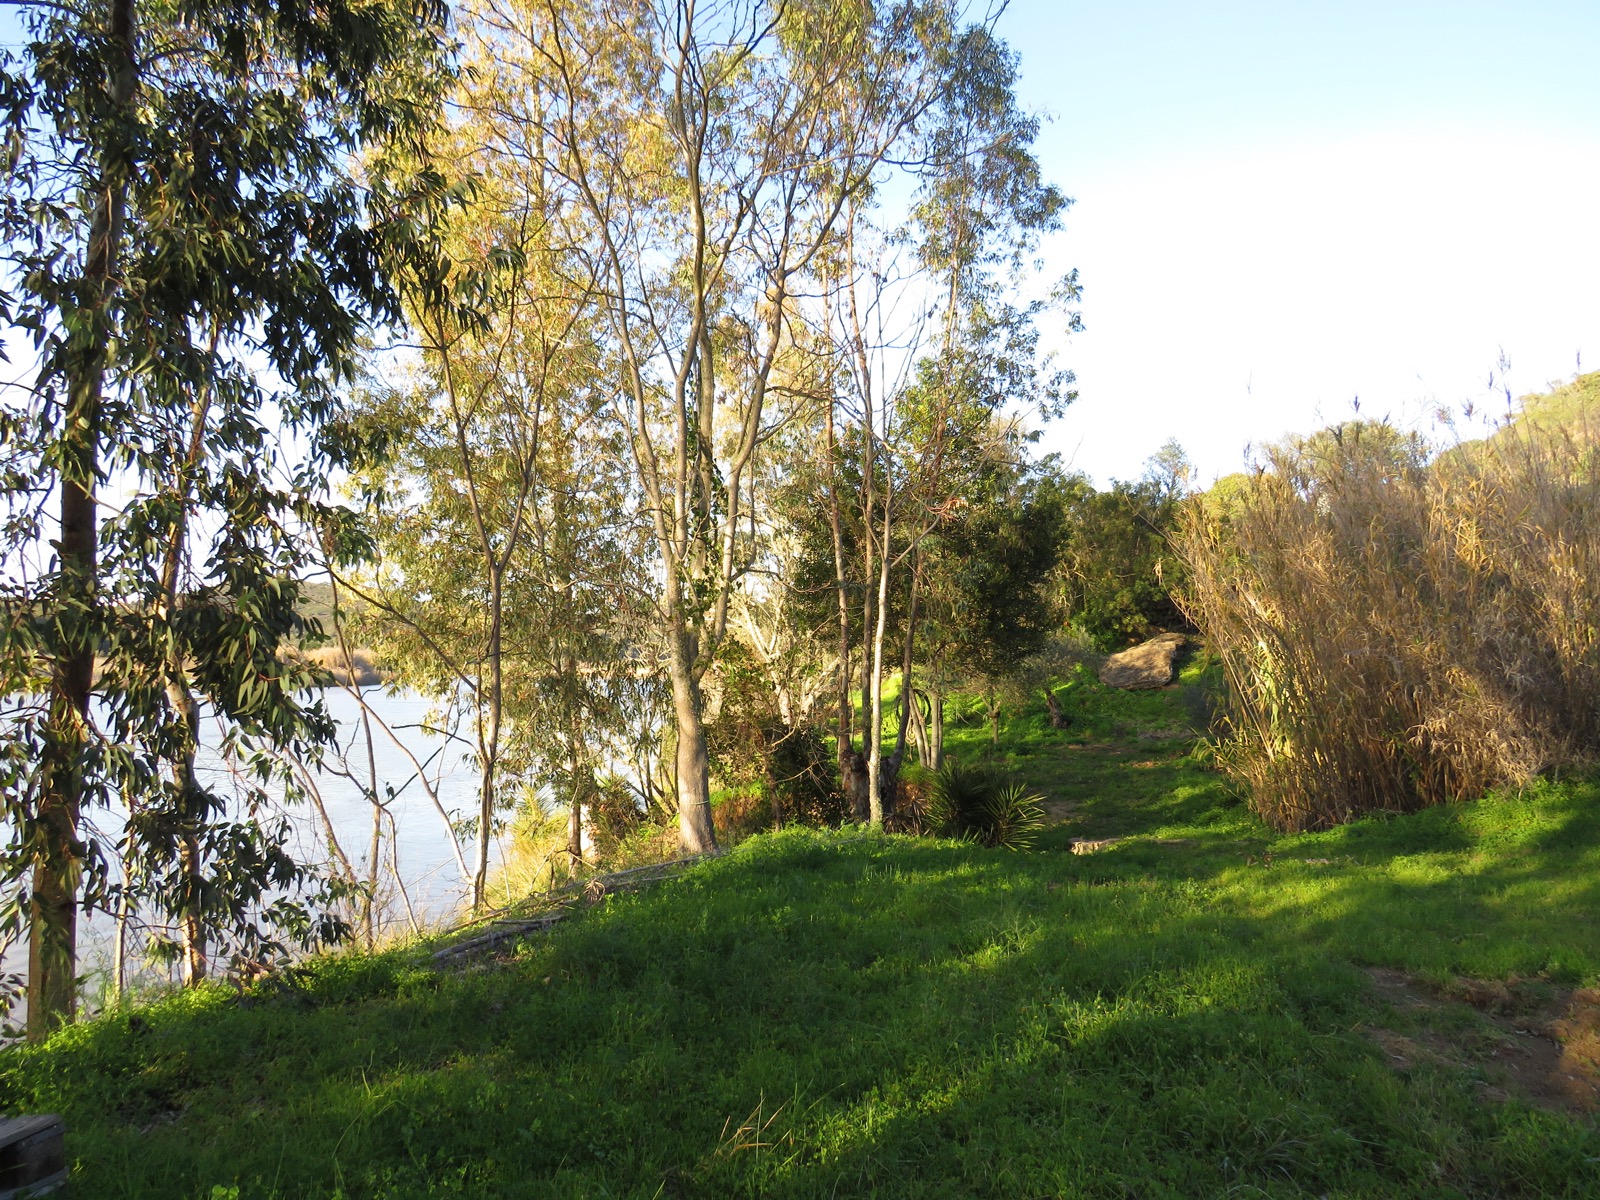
695	827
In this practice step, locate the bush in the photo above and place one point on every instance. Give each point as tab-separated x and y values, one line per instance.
1398	632
982	805
803	777
1117	571
615	813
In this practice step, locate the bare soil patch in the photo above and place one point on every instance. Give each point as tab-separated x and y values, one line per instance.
1525	1038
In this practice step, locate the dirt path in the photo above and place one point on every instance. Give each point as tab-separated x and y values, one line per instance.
1531	1039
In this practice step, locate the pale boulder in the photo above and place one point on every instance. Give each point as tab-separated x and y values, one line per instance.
1147	665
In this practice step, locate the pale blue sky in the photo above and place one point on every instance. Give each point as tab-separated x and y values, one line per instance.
1281	206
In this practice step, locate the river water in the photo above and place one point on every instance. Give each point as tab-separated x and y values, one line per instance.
427	861
421	844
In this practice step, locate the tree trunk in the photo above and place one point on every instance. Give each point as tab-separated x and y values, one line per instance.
919	730
853	778
852	768
575	828
696	830
876	811
191	909
480	862
1054	705
181	699
58	853
193	921
119	943
936	727
488	745
369	915
53	903
889	784
575	816
774	791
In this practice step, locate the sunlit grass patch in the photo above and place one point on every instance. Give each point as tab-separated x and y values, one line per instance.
850	1013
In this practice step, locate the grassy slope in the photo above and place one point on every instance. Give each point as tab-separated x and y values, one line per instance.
846	1014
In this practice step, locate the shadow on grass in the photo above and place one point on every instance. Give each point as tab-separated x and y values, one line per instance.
820	1015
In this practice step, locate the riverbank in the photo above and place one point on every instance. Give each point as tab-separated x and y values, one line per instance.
359	668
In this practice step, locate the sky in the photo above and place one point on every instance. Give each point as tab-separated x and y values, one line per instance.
1283	208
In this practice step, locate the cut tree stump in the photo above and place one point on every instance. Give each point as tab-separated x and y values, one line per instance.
33	1156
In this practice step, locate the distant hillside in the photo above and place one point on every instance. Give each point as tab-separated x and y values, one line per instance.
1570	411
1573	408
316	603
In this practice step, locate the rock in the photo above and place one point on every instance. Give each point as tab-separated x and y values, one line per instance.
1147	665
1088	846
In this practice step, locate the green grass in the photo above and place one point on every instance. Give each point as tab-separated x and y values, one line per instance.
846	1014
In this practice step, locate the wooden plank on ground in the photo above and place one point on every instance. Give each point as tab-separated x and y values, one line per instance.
33	1156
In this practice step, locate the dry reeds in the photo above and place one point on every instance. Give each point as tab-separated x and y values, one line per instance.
360	669
1397	632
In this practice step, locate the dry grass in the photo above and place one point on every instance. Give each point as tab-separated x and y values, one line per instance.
361	669
1398	632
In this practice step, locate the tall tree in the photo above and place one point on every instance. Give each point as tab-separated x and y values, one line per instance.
506	562
503	507
193	260
709	152
978	213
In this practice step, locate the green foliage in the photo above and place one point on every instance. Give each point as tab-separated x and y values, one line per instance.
1117	570
194	264
752	748
804	777
614	815
988	604
980	804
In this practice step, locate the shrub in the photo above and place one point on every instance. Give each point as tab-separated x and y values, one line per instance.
1117	571
1397	632
982	805
803	776
614	814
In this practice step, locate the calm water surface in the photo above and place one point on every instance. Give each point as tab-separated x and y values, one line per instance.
421	840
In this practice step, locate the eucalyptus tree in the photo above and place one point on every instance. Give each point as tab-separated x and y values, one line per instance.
503	510
705	154
194	263
923	391
505	564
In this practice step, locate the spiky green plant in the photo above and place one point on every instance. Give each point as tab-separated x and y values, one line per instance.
980	804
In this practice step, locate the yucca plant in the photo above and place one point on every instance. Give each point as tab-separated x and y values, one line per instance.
981	805
1015	817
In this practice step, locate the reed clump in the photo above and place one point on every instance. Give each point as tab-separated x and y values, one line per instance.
1401	628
